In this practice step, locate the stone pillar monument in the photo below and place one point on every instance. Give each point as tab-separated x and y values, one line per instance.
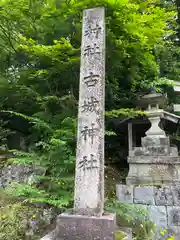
89	181
88	221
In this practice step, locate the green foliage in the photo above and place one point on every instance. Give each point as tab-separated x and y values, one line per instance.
56	156
132	216
13	218
20	221
46	58
120	236
137	218
126	214
4	133
124	113
49	194
12	222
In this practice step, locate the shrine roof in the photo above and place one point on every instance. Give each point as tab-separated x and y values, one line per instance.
142	119
141	124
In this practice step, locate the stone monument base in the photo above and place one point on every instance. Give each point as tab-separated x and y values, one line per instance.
79	227
153	170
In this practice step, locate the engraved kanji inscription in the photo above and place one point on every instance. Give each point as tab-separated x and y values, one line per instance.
89	184
88	163
163	195
127	193
91	80
96	30
176	218
89	132
90	105
91	50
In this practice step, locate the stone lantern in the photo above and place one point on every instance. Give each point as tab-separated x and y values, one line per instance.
151	102
155	161
153	181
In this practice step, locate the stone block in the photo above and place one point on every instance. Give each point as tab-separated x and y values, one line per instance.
173	216
151	151
158	215
163	196
143	173
78	227
155	142
20	174
144	195
138	180
162	160
176	194
50	236
174	152
124	193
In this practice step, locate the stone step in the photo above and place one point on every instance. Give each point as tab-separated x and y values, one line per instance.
49	236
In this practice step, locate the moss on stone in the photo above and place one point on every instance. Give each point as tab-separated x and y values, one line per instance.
120	235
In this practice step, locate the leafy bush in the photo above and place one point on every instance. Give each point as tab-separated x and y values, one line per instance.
14	218
4	133
136	217
56	156
132	216
21	221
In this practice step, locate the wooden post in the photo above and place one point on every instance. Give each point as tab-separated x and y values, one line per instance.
130	140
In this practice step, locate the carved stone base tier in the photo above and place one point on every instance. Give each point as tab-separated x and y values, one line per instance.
79	227
156	162
155	170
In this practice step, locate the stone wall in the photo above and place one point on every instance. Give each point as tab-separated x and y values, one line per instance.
162	204
19	174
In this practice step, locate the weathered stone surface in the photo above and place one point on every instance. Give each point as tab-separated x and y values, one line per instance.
173	216
78	227
155	141
124	193
158	215
174	152
176	194
89	180
50	236
138	180
163	196
155	131
19	174
159	173
151	151
164	160
144	195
